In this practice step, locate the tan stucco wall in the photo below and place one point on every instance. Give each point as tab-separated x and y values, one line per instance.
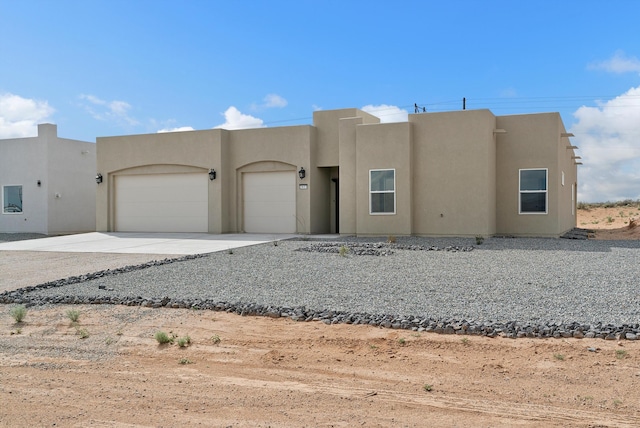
454	173
533	141
230	153
172	152
455	176
384	146
327	123
290	146
347	171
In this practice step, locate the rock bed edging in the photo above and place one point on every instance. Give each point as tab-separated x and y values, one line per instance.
511	329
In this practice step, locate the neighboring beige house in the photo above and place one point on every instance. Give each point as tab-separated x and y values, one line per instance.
463	173
47	184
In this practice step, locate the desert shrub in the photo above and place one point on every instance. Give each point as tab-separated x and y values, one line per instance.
162	337
184	341
82	332
73	315
343	250
583	206
18	313
391	239
632	223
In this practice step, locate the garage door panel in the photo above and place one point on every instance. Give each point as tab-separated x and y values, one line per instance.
270	202
162	203
167	209
271	209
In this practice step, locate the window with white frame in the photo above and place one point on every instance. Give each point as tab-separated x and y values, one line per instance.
533	191
382	191
11	199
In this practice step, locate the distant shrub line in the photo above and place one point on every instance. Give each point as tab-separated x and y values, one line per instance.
609	204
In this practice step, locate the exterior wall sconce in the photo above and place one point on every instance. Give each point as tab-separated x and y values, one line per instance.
99	178
212	174
302	173
39	183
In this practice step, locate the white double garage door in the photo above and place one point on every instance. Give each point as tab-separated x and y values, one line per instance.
180	202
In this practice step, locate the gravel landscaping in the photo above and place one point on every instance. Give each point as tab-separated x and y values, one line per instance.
515	287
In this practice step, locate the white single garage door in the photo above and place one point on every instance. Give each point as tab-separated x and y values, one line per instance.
162	203
269	202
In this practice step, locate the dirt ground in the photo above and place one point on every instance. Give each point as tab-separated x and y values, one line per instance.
262	372
108	370
611	223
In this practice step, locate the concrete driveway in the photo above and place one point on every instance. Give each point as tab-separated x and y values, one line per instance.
36	261
142	243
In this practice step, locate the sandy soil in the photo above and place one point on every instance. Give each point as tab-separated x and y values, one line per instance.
276	372
611	223
109	371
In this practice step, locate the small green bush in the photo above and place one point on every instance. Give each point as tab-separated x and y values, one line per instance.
73	315
82	332
343	250
184	341
215	339
18	313
162	337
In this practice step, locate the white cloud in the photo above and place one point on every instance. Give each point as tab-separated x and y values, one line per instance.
608	137
178	129
19	117
387	113
619	63
110	111
270	101
274	100
234	119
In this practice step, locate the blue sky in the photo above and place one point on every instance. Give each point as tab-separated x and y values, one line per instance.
100	68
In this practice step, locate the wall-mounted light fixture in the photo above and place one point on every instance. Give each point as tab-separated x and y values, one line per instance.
39	183
212	174
302	173
99	178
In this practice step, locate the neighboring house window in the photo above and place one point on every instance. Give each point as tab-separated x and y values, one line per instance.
382	191
533	191
11	199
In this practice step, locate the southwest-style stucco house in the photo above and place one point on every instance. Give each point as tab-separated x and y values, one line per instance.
47	184
463	173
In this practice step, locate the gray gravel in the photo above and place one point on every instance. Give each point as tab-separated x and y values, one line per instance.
11	237
504	279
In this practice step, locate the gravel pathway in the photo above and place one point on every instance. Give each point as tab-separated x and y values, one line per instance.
528	280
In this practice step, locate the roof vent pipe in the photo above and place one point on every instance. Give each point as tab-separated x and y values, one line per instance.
464	103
